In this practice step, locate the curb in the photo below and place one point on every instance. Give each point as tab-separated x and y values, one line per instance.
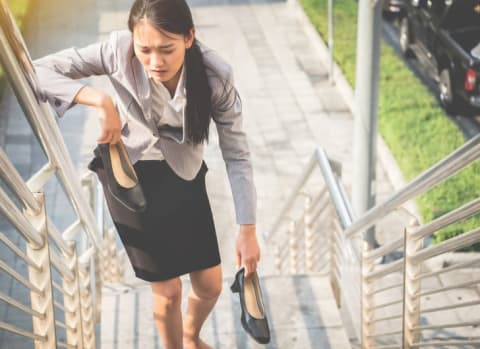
385	156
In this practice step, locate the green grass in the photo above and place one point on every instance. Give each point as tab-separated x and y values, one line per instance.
415	127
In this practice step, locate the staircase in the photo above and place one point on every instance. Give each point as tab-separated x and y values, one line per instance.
301	310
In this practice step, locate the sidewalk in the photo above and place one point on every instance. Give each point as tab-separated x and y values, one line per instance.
289	107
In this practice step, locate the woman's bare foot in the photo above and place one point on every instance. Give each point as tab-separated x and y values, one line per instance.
195	344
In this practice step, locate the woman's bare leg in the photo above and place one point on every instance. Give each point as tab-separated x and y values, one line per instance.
167	299
206	287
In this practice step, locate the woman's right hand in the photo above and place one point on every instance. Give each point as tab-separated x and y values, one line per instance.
110	122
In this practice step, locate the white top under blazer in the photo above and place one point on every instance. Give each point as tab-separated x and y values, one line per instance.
166	110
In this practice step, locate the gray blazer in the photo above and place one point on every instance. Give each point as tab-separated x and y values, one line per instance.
58	73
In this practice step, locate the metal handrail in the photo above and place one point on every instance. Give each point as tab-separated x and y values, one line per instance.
80	274
407	267
436	174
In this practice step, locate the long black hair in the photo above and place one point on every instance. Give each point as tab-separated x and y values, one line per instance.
174	16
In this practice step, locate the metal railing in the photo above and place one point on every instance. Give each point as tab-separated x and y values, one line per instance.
385	301
82	269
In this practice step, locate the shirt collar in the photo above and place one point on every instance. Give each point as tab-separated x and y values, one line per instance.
179	98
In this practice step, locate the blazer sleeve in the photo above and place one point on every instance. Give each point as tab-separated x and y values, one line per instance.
227	114
58	72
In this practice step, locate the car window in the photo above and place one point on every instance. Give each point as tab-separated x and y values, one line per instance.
462	14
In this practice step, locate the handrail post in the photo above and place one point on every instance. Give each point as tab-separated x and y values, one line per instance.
292	244
367	299
277	258
334	259
411	288
88	308
308	235
42	303
88	184
73	316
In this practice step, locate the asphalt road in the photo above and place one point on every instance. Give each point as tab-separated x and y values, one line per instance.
469	124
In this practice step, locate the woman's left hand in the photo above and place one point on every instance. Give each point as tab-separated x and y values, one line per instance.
248	251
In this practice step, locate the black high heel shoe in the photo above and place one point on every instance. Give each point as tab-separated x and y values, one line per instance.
122	181
254	319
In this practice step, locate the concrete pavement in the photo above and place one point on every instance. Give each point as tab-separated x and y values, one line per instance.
289	109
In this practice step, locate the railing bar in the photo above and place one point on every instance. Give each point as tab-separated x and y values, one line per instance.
459	241
384	249
19	278
448	288
385	334
64	325
58	239
18	220
61	266
293	195
13	302
450	325
318	213
60	324
385	270
72	230
456	215
447	307
61	289
385	318
46	130
61	307
446	342
65	345
384	305
18	252
336	194
448	269
318	198
38	180
13	329
15	182
436	174
386	288
387	346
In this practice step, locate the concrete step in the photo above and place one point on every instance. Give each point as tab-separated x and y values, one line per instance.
301	310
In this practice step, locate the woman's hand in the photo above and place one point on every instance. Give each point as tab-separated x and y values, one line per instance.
109	118
110	122
248	251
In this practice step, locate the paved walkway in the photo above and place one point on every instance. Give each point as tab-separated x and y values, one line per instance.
289	107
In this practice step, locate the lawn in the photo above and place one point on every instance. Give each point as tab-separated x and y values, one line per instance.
414	126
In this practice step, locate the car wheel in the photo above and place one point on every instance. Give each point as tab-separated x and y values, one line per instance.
405	37
447	98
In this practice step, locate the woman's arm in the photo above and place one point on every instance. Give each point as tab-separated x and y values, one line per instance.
235	151
227	114
58	73
109	118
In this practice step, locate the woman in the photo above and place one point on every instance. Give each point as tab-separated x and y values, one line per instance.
168	85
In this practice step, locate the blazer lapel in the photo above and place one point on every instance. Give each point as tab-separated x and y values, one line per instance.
141	85
143	90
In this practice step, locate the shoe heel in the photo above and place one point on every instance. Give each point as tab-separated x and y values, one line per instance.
235	286
96	152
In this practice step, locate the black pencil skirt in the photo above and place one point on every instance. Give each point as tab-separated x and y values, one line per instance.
176	233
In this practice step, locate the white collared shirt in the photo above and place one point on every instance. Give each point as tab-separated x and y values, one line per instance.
166	110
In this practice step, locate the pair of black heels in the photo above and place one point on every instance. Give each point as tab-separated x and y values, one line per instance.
254	320
121	179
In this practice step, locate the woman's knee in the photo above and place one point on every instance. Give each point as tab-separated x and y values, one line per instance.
167	292
207	285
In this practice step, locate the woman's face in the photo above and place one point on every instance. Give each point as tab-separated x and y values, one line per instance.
161	53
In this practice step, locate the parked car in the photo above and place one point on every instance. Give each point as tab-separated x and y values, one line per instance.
393	8
447	32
